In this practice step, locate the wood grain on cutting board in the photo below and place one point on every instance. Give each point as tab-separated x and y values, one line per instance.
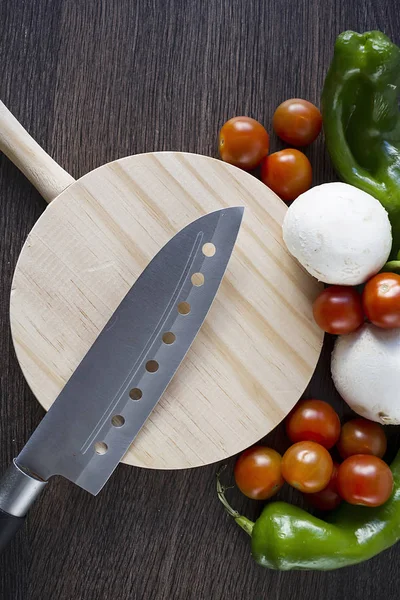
259	345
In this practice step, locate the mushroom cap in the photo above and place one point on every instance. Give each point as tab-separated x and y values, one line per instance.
340	234
366	372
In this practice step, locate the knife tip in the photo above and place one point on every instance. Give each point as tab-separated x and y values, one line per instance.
237	211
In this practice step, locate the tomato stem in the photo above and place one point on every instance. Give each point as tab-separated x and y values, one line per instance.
242	521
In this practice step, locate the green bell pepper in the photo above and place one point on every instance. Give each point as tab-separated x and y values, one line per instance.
361	118
286	537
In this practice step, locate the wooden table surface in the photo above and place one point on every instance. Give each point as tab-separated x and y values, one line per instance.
93	81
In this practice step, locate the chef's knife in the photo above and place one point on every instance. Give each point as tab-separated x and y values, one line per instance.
114	389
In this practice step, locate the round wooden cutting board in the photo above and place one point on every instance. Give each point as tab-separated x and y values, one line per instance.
259	345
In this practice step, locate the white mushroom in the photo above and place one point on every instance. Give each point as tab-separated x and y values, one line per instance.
339	233
366	372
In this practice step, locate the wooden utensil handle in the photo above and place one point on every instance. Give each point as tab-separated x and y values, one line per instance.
42	171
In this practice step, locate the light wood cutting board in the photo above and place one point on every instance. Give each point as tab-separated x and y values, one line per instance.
259	345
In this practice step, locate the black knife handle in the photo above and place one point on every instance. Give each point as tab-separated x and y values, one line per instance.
9	525
18	491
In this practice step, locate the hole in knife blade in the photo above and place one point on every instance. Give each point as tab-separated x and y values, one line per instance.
168	337
152	366
135	394
209	249
184	308
198	279
118	421
100	448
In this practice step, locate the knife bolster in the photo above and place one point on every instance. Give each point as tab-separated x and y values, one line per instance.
18	490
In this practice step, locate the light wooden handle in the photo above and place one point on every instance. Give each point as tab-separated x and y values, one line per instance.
42	171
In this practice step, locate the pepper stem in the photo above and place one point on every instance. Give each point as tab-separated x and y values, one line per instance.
242	521
393	266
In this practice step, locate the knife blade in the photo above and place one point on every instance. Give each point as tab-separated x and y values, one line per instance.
116	386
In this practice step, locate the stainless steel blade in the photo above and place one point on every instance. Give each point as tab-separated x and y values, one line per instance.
108	398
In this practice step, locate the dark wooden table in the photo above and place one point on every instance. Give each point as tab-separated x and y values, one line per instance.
93	81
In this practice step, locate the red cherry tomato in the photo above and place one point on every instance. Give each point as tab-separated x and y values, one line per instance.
307	466
365	480
328	498
381	300
288	173
297	122
361	436
315	421
258	473
243	142
338	310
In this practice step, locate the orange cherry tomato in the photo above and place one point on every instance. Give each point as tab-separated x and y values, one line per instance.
297	122
365	480
258	472
338	310
307	466
314	421
381	300
243	142
288	173
361	436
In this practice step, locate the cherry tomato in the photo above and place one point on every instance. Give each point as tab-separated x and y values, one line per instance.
338	310
361	436
288	173
297	122
314	421
307	466
364	479
243	142
258	472
328	498
381	300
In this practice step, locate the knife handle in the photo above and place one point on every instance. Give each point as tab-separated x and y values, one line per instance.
9	526
18	491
